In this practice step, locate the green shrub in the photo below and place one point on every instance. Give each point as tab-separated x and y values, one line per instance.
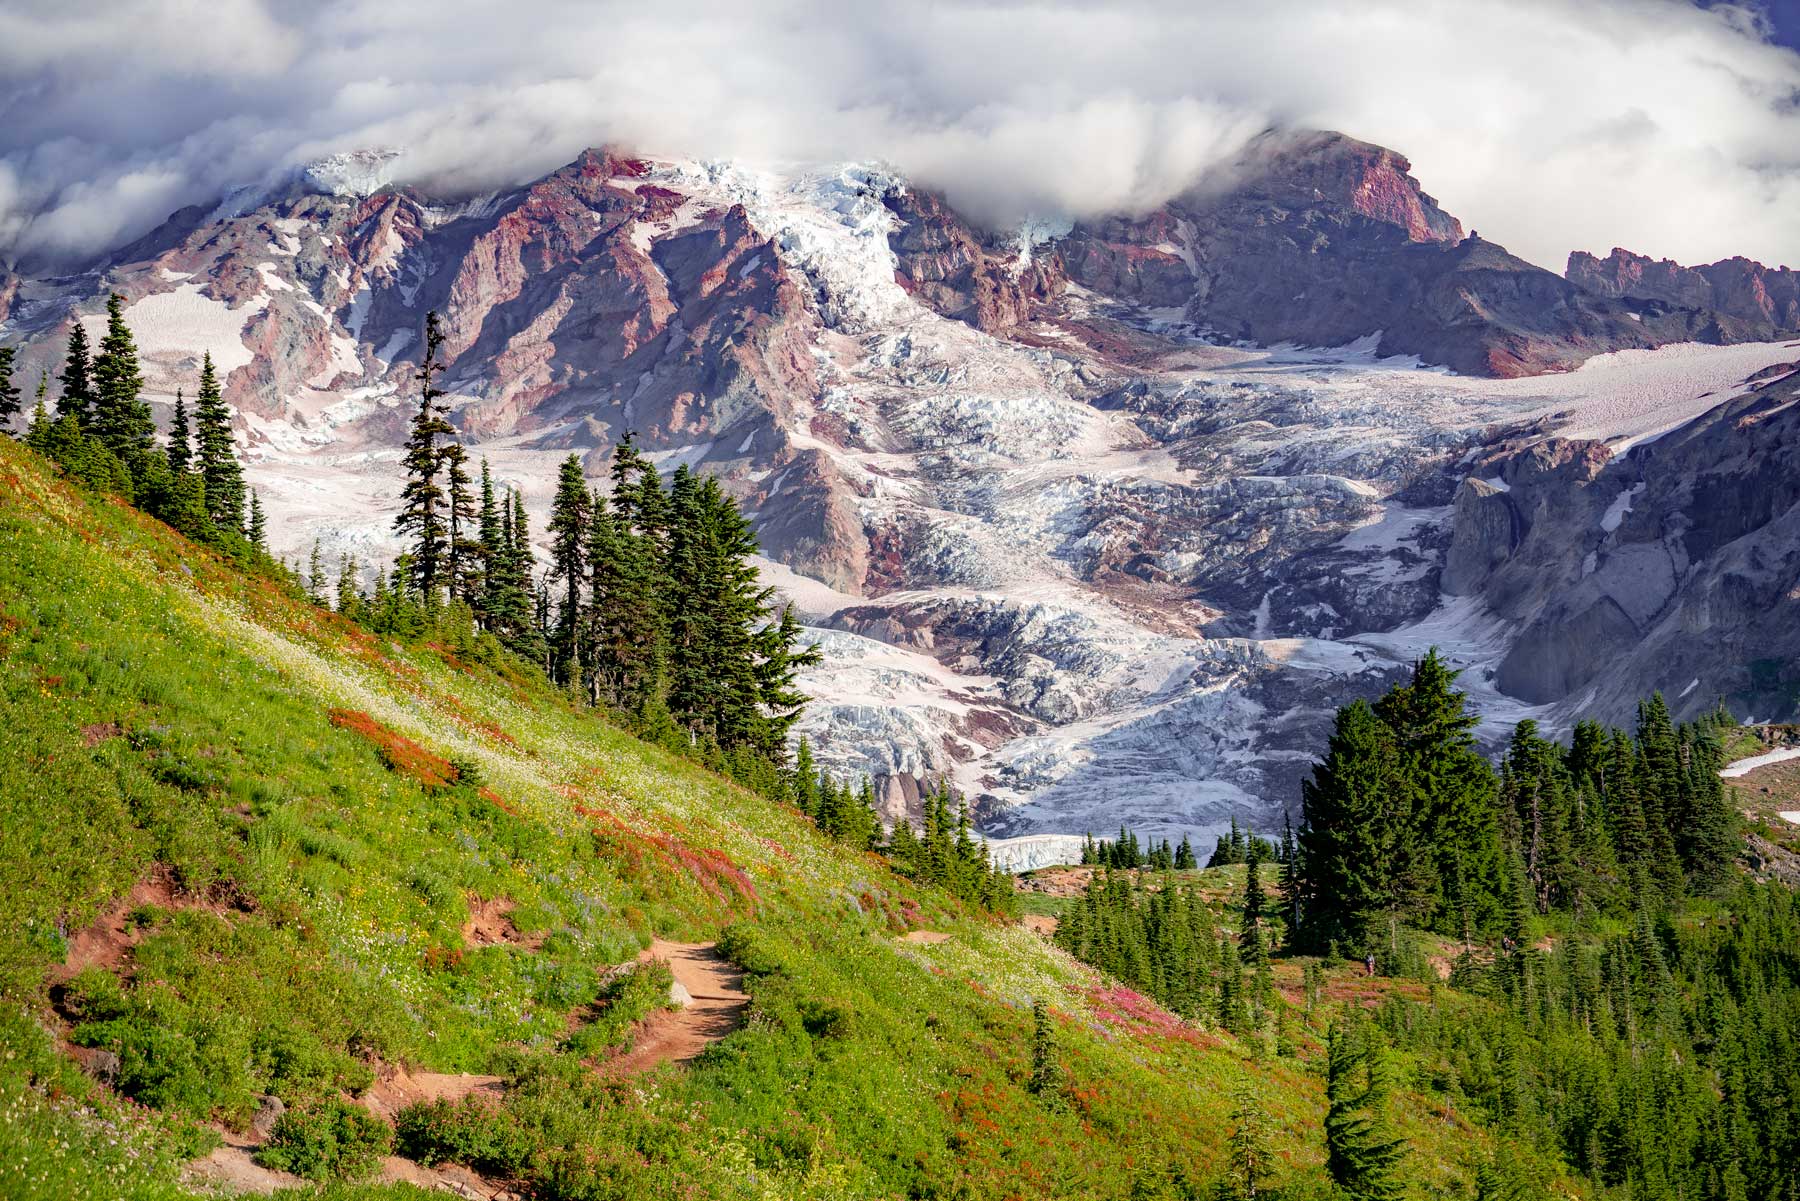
823	1019
749	949
327	1140
625	1000
472	1131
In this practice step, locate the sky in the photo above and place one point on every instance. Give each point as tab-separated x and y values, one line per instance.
1671	127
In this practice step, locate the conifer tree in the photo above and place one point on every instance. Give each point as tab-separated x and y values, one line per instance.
570	516
315	575
1359	1155
216	453
76	380
37	434
630	584
1250	937
349	600
806	780
121	417
1252	1165
10	394
1184	856
258	529
422	499
1046	1073
464	552
493	548
1347	826
181	445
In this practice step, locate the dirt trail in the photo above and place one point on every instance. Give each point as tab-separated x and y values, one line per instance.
399	1088
230	1170
715	1007
932	937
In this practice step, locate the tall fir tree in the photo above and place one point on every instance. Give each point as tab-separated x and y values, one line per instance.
1252	1164
215	453
181	436
257	531
422	500
76	381
493	548
121	416
10	393
570	517
1360	1156
465	555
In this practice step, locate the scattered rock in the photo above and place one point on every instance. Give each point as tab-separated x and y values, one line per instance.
268	1113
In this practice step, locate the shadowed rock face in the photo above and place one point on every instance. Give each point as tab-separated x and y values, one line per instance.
1322	240
944	262
1674	568
1747	300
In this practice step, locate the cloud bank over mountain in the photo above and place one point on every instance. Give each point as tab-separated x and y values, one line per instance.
1549	125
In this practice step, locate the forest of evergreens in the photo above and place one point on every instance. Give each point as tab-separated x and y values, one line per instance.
1623	999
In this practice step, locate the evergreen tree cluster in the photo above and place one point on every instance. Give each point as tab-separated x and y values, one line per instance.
1159	937
1125	852
1660	1057
651	606
1404	822
946	853
1240	846
103	437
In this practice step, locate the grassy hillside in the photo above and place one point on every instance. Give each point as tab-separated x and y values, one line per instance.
308	814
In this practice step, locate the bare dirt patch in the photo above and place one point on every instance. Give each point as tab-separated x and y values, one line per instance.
230	1169
1043	923
451	1178
98	733
715	1006
107	940
932	937
490	924
397	1088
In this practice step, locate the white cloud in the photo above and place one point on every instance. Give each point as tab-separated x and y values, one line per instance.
1547	124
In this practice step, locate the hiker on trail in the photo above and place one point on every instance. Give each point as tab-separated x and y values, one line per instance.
1370	963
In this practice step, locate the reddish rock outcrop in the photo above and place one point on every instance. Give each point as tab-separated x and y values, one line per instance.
1749	300
944	262
1322	240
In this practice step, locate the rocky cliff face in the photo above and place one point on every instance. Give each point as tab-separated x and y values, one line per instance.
1322	240
1744	300
1674	567
1059	541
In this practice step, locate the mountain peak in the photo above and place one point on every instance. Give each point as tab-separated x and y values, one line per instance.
1308	167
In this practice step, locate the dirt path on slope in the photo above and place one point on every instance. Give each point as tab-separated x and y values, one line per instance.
715	1007
397	1088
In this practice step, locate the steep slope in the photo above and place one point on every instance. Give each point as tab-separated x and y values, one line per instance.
335	903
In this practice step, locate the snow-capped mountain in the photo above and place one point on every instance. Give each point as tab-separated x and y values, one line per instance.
1080	517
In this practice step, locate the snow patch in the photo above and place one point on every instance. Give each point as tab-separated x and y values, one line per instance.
1742	767
1621	505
